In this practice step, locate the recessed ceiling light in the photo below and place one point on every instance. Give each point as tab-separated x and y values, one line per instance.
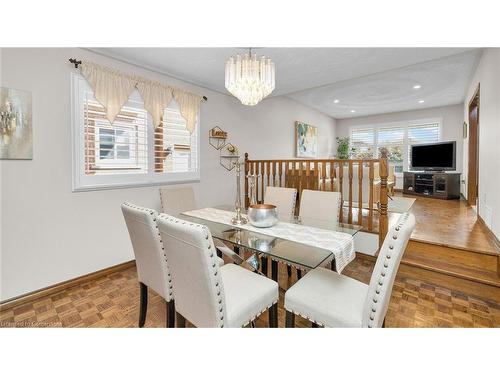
353	111
336	101
416	87
421	101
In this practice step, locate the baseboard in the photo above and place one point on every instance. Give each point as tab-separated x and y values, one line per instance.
31	296
495	238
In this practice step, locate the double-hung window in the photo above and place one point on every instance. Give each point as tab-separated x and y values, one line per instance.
363	143
130	151
392	138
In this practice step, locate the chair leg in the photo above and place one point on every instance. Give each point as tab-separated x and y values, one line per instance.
290	319
181	321
273	316
219	253
263	263
143	304
314	325
299	274
171	314
274	270
289	270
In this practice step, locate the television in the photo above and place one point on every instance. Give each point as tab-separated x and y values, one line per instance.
439	156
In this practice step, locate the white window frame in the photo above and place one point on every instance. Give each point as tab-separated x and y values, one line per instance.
406	124
83	182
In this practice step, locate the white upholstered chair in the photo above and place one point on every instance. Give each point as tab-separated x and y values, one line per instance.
206	294
283	198
152	268
332	300
178	199
320	205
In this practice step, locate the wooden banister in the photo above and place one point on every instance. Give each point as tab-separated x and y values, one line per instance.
331	175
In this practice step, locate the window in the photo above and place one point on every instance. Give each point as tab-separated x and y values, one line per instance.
129	152
396	137
392	138
422	133
362	143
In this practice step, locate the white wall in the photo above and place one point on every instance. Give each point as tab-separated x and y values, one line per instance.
451	126
488	75
51	234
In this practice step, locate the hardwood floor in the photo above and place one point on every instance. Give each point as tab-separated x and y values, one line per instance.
113	301
453	223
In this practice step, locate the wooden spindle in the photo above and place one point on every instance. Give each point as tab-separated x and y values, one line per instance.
281	172
383	220
323	174
332	174
341	188
349	215
360	192
370	203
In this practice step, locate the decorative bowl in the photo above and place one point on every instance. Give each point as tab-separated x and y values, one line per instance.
262	215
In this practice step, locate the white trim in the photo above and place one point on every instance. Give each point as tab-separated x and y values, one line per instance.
82	182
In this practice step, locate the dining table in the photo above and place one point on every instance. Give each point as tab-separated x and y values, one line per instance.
303	242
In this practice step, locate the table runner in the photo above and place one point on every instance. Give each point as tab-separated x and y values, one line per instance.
340	244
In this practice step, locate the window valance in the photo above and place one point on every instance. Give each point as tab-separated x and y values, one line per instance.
113	88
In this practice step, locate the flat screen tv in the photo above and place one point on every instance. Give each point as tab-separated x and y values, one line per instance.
438	156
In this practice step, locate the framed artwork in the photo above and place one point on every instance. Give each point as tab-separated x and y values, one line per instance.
16	134
306	139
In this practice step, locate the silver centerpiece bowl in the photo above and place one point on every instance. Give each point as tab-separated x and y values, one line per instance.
262	215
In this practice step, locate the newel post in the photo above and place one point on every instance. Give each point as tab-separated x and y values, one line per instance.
383	219
247	199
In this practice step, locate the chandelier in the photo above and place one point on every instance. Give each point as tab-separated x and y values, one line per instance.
250	78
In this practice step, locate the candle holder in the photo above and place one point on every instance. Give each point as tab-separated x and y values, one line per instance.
238	219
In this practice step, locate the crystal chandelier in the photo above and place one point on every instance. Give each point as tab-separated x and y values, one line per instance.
250	78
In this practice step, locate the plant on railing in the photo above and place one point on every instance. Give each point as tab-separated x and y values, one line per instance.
343	149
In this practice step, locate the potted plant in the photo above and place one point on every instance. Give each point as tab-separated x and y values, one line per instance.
343	148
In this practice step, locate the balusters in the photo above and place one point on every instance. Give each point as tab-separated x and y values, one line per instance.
341	188
349	217
360	192
370	203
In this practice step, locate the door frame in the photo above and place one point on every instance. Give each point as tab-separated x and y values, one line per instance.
473	151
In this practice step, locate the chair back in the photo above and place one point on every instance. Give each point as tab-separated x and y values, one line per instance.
283	198
192	259
175	200
386	268
152	267
320	205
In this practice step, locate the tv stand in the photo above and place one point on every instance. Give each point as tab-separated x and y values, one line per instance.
432	184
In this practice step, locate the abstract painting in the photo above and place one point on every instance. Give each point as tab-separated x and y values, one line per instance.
306	137
16	133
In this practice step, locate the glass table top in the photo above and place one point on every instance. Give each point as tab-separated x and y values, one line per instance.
289	251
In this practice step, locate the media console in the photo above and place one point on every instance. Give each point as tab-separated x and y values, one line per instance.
432	184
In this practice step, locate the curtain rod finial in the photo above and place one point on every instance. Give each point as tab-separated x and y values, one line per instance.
76	62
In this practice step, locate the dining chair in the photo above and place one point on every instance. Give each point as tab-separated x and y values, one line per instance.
152	267
175	200
320	205
330	299
283	198
207	294
321	208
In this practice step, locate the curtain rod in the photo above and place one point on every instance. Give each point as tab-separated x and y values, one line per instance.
78	62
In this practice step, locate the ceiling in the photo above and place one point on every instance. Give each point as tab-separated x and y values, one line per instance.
364	80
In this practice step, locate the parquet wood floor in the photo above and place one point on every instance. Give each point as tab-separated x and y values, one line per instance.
113	301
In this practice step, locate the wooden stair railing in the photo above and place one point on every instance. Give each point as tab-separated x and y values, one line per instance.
329	175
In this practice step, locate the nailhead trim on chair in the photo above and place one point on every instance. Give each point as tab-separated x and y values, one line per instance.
152	212
306	317
383	273
211	255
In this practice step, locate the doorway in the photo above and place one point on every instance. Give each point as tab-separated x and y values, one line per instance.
473	169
